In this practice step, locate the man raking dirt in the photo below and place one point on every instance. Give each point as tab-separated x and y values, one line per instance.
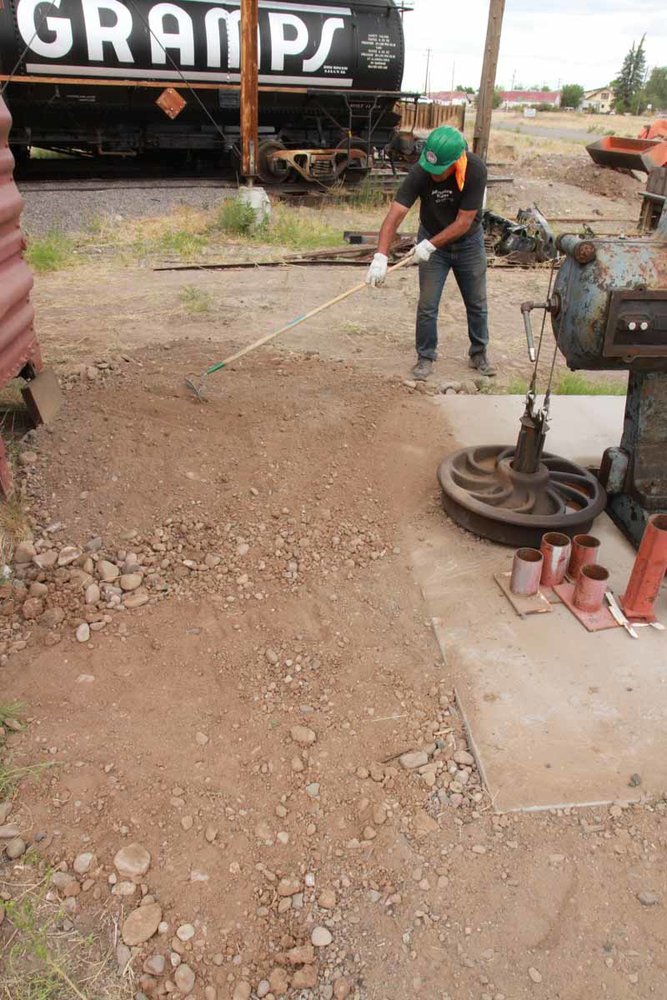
450	183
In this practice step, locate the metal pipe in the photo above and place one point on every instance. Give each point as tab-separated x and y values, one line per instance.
585	550
556	549
590	588
583	251
648	571
526	572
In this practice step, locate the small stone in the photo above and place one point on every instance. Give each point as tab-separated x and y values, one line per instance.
83	862
242	991
32	608
648	898
16	848
136	600
263	987
305	978
271	656
321	937
297	764
341	989
478	849
313	789
302	735
185	932
83	632
279	981
187	822
92	594
535	975
413	759
132	861
141	924
68	555
201	739
123	956
463	757
46	560
635	780
303	954
155	965
185	979
27	458
379	815
210	993
327	899
24	553
289	886
130	581
210	833
107	571
615	812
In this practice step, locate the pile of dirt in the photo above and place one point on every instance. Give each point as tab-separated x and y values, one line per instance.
581	172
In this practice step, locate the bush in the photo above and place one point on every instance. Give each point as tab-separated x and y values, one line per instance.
49	253
236	217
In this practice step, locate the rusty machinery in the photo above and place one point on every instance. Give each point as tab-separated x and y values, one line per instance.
608	310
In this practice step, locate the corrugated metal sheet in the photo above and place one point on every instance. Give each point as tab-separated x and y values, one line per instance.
18	342
429	116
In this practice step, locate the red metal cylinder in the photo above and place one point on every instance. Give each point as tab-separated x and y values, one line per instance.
526	572
585	549
555	549
648	571
590	588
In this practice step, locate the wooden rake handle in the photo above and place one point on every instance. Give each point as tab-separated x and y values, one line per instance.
301	319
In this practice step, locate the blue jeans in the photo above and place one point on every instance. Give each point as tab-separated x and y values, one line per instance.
467	259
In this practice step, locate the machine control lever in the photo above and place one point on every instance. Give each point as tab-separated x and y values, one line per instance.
526	309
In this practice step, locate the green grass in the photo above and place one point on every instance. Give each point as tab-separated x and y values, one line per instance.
235	217
51	252
367	196
572	384
195	300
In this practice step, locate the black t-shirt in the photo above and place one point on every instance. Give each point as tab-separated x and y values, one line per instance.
440	202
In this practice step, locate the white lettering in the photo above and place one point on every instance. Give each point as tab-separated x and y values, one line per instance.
212	22
60	26
112	34
331	26
161	39
282	46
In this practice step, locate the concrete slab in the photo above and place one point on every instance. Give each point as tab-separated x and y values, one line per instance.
557	716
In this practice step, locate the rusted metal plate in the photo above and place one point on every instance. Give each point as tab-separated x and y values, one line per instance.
593	621
171	102
18	343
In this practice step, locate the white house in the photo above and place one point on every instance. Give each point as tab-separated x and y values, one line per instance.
600	101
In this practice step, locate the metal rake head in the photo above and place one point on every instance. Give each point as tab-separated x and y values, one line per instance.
197	385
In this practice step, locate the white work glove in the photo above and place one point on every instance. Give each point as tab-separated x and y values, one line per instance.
377	272
423	251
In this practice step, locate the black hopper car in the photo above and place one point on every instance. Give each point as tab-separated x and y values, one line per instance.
161	81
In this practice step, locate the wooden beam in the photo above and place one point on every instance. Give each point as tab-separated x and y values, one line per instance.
249	82
480	141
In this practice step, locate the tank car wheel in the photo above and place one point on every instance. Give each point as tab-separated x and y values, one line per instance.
271	172
354	173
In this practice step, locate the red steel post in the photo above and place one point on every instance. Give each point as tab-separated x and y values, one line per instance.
526	572
555	549
648	571
585	550
590	588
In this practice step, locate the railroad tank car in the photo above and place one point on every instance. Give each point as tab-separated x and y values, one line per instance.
160	79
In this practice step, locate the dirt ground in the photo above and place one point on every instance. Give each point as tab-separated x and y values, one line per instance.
223	654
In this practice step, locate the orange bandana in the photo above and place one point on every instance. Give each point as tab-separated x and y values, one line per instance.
460	170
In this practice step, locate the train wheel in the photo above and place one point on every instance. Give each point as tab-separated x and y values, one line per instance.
355	171
271	171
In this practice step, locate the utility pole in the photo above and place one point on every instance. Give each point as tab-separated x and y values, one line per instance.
249	82
480	142
428	64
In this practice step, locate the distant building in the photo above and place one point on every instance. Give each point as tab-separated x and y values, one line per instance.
450	97
521	98
601	100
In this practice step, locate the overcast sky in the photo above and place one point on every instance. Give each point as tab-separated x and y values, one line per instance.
543	41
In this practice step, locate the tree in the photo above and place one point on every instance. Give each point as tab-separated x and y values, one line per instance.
571	95
630	81
655	91
497	99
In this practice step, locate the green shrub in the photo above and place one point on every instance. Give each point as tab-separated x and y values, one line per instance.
50	252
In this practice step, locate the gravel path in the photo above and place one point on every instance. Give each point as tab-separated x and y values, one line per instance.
71	206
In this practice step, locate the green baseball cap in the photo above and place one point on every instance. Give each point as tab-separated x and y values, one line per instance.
442	148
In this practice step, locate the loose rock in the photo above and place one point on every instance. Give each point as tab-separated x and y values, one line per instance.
185	979
15	848
413	759
132	861
648	898
141	924
302	735
83	862
321	937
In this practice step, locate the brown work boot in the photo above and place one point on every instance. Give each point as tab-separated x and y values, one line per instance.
480	362
422	369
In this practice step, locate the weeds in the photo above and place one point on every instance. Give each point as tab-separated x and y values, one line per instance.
195	300
235	217
367	196
51	252
572	384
